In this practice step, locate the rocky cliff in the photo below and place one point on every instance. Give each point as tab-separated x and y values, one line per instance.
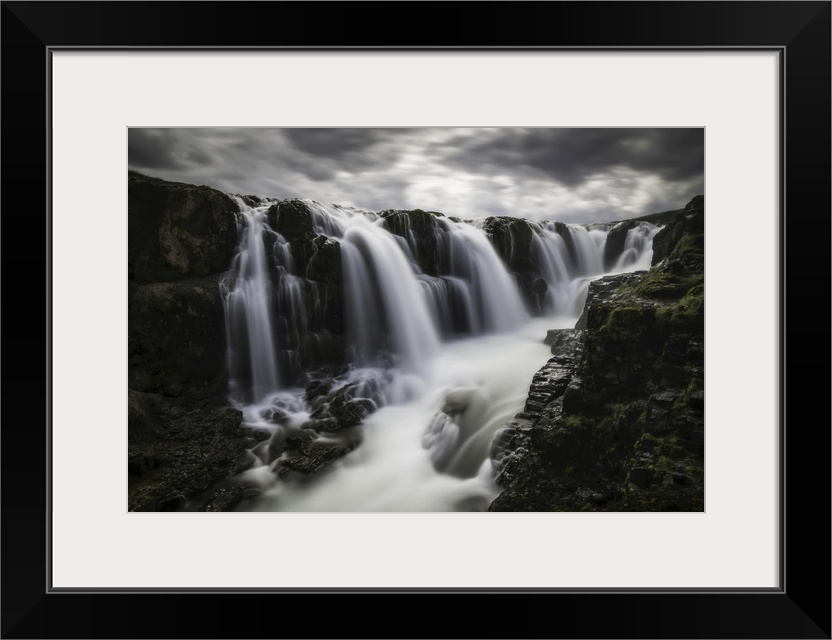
183	438
615	420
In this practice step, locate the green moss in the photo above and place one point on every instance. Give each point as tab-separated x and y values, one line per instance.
664	284
689	245
626	318
691	306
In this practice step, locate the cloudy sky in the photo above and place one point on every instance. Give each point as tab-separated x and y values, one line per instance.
573	175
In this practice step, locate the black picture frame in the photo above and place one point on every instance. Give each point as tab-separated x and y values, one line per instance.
799	31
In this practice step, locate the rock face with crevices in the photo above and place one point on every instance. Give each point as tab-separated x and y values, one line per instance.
615	422
178	451
176	337
183	438
177	230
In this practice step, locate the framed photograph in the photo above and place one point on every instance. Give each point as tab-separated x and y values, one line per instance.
602	112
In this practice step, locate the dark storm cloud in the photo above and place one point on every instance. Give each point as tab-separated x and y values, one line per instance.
570	156
336	143
165	149
568	174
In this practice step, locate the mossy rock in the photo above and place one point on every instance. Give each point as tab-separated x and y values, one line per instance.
628	432
688	225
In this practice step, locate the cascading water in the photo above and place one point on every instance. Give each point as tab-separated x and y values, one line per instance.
382	283
436	348
637	248
247	297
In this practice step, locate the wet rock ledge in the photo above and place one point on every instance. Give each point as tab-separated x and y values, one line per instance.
615	419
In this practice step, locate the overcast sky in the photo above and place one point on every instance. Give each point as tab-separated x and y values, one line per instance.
573	175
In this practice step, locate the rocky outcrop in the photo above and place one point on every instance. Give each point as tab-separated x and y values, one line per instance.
251	201
306	453
177	230
616	239
513	240
318	338
621	428
294	221
337	407
691	227
184	441
177	453
176	337
419	229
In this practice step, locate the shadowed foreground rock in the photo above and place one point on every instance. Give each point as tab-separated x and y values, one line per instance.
621	426
183	438
176	337
177	452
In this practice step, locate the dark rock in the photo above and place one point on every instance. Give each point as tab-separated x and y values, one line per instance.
306	453
317	390
627	432
228	498
691	224
565	232
665	398
604	289
419	229
550	383
180	450
641	477
325	263
294	220
340	409
176	338
138	462
316	333
513	240
291	219
251	201
140	418
697	400
616	239
177	230
621	346
672	375
663	218
349	413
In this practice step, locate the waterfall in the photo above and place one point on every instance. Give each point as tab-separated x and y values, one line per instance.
247	298
638	248
375	264
426	325
474	261
588	258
